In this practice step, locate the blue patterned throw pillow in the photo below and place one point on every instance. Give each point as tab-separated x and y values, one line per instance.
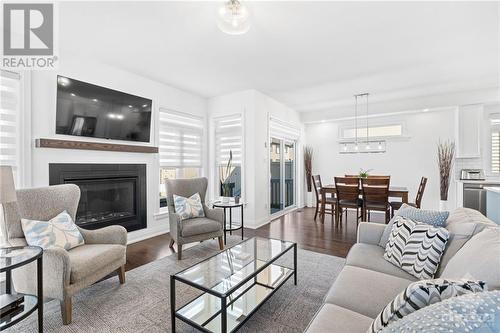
432	217
189	208
60	231
471	313
421	294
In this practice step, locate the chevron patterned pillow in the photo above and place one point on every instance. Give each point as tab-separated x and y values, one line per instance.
421	294
416	247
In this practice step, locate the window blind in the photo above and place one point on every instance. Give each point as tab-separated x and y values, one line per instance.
495	143
281	130
180	140
10	92
228	138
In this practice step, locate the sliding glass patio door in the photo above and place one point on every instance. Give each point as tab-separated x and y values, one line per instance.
282	172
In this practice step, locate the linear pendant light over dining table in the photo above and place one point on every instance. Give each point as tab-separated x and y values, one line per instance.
364	145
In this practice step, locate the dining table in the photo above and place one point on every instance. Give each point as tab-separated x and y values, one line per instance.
394	191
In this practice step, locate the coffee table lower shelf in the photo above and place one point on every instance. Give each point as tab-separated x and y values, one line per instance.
204	312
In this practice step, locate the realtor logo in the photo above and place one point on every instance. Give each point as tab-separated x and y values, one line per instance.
28	36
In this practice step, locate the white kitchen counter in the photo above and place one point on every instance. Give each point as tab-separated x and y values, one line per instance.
493	189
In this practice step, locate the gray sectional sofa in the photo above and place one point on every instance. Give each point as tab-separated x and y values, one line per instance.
368	282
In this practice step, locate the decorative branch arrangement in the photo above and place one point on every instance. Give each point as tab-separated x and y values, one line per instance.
308	156
224	174
446	152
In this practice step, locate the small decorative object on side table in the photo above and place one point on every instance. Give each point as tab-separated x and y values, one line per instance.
20	306
229	206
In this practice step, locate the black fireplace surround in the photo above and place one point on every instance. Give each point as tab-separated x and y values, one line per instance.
111	194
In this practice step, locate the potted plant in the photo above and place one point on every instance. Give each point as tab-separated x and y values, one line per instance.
446	152
224	175
308	155
364	173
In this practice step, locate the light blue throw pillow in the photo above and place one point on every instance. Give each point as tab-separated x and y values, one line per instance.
189	208
432	217
60	231
472	313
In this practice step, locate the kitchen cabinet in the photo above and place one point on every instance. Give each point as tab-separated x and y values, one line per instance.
469	120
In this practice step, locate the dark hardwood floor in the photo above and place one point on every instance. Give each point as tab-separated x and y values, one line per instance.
298	226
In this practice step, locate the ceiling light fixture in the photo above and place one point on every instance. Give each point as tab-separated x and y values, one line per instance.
233	18
366	145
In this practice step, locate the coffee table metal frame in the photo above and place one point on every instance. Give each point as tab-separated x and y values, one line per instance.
224	296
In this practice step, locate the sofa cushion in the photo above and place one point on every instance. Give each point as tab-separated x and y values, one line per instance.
333	318
432	217
420	294
88	259
364	291
372	257
479	258
462	224
477	312
199	226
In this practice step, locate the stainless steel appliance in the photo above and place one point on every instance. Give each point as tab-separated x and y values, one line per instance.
475	196
472	174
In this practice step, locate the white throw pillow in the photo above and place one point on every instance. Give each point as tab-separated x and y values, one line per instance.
479	258
60	231
189	208
420	294
416	247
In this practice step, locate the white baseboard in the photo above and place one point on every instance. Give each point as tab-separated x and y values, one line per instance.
139	235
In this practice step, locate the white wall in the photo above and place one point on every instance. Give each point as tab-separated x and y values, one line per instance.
256	109
406	160
44	118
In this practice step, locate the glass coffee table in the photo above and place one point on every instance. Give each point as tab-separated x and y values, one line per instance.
235	283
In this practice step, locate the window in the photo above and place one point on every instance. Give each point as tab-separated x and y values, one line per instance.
495	143
180	145
228	143
380	131
10	120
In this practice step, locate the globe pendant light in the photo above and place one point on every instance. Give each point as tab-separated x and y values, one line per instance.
233	18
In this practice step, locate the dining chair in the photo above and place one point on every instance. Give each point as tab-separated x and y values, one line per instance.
378	177
376	197
395	205
329	201
351	176
347	191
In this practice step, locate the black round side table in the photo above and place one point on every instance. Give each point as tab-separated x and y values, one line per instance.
10	259
229	206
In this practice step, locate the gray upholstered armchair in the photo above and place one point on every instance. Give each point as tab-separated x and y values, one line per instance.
64	272
197	229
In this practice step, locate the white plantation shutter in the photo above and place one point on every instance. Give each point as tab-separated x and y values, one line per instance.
281	130
228	138
180	139
10	108
495	143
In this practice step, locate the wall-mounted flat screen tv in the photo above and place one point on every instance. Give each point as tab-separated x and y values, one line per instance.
84	109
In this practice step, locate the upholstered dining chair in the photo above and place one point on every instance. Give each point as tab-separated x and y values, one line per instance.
395	205
376	197
196	229
65	272
332	202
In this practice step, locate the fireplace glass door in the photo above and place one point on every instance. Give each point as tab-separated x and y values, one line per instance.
103	200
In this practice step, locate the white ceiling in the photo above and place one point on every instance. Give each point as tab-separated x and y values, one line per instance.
310	55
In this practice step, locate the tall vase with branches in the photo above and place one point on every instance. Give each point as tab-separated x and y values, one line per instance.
446	153
308	156
224	175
